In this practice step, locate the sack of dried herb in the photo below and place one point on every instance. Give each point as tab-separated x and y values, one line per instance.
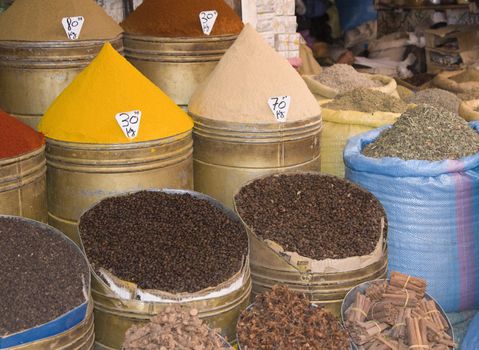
432	206
350	114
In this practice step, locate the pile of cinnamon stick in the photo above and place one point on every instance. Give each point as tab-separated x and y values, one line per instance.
395	315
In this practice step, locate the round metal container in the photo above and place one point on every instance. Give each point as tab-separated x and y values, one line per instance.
33	74
227	155
269	268
82	335
349	299
176	65
23	185
79	175
113	316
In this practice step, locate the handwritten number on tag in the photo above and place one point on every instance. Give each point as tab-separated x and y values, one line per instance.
129	123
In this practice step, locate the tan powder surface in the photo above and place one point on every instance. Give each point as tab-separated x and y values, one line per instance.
36	20
246	77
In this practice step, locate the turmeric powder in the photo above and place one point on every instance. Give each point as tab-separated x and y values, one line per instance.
85	111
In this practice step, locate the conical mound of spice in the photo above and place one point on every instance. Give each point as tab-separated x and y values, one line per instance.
173	18
87	110
426	133
17	138
34	20
247	76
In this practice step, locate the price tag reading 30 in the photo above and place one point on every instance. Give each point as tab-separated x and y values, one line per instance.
129	123
280	107
73	26
208	19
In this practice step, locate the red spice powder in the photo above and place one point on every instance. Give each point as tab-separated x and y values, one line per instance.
180	18
17	138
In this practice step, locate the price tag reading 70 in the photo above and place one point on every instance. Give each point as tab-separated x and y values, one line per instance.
73	26
207	20
129	123
280	107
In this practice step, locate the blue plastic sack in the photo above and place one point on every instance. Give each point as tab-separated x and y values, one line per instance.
353	13
471	340
433	215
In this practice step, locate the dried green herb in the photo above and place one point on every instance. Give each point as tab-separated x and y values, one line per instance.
426	133
368	101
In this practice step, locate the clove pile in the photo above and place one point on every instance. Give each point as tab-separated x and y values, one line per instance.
174	329
396	315
283	320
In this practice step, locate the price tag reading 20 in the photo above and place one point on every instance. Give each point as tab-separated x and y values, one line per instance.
129	123
208	19
73	26
280	107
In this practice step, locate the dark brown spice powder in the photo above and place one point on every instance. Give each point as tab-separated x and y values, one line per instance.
180	18
317	216
169	242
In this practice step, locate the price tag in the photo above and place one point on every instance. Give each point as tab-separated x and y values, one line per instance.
207	20
129	123
280	107
73	26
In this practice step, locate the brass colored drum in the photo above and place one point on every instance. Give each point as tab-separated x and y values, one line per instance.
327	289
23	185
80	175
33	74
176	65
227	155
79	337
113	316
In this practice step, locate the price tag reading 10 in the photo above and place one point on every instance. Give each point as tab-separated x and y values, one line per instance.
208	19
129	123
280	107
73	26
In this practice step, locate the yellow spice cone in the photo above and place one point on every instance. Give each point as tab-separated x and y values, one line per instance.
85	111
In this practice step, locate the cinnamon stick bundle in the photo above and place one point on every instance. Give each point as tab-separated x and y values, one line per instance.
359	309
403	298
398	331
384	312
417	333
376	290
436	316
364	332
417	285
399	317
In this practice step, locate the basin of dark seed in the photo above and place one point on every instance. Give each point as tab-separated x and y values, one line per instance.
169	242
41	276
317	216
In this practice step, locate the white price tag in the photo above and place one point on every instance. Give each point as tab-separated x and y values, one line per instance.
129	123
207	20
280	107
73	26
